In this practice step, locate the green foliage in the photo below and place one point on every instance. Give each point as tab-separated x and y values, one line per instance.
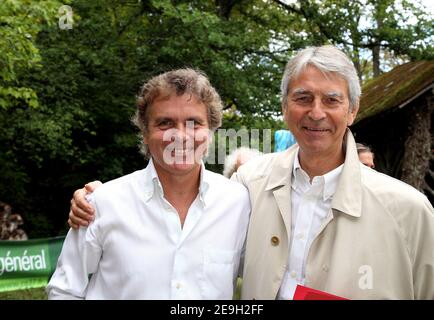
20	23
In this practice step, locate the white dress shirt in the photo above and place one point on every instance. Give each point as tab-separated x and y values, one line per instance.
136	248
311	203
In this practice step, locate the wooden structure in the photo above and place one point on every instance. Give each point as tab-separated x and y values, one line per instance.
396	120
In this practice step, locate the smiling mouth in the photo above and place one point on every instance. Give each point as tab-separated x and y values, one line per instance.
182	152
315	129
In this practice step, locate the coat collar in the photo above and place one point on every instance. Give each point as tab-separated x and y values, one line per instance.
348	196
281	171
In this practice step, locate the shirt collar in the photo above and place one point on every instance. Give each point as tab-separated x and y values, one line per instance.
331	180
301	180
204	182
156	184
153	182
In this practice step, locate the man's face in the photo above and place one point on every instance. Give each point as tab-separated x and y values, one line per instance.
177	134
367	158
317	112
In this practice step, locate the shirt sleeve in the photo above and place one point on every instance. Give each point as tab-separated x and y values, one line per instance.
241	266
247	209
79	259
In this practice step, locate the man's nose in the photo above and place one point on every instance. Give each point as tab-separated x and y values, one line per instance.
184	131
181	133
317	111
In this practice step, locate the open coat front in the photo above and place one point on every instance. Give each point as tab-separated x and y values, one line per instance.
376	243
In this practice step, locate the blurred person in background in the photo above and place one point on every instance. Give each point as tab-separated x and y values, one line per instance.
366	155
237	158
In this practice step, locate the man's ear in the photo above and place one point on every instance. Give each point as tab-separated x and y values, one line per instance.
353	114
285	112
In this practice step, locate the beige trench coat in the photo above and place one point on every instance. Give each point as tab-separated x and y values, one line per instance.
377	242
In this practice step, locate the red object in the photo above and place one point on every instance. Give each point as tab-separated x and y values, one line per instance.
305	293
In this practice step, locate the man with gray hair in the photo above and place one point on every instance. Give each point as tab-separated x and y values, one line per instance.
319	217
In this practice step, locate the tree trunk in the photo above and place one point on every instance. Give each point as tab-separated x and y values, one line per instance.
376	61
356	61
376	49
417	153
224	7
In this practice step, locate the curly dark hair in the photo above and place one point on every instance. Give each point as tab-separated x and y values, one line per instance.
180	81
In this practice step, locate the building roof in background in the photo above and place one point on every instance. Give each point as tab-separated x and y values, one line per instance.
396	88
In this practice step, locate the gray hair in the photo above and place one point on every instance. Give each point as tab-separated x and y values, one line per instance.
363	148
231	160
180	81
327	59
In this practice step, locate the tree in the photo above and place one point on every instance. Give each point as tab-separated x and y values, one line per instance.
402	28
20	23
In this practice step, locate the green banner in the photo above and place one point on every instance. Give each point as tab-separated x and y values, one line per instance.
28	264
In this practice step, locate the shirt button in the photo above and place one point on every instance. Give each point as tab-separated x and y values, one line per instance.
300	236
178	286
293	274
325	268
275	241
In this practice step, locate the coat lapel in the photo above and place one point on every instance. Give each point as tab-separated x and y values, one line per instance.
348	196
280	183
281	195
